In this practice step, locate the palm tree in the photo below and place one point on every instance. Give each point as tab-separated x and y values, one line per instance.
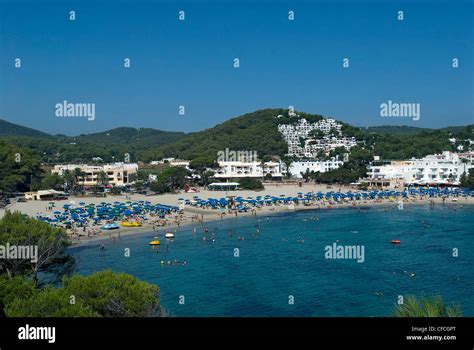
132	177
464	161
82	175
262	165
102	178
426	307
287	161
69	179
77	174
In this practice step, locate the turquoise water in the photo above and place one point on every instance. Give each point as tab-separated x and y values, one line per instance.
275	263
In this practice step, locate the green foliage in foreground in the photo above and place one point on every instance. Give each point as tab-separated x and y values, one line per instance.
20	230
426	307
102	294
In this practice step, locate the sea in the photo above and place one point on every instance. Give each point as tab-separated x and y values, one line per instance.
281	264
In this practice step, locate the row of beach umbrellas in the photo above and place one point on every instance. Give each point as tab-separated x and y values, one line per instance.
243	203
116	211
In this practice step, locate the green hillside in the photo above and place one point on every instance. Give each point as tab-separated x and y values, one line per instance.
10	129
395	129
111	145
256	131
124	135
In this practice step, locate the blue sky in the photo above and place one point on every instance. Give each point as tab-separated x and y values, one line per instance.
190	63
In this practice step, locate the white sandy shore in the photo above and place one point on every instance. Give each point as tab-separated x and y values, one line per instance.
193	216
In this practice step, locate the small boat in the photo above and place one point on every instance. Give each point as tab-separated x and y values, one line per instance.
169	235
155	242
130	224
112	226
395	241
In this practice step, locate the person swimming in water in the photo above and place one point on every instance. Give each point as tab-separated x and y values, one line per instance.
102	247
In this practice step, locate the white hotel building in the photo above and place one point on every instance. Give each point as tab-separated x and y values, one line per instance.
437	169
236	169
118	173
297	168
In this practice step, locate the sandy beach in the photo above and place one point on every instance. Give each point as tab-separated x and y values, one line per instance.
201	216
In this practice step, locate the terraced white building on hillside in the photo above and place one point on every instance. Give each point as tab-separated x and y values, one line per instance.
301	144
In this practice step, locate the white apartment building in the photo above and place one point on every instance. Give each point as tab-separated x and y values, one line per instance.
297	168
236	169
118	173
445	168
395	174
294	134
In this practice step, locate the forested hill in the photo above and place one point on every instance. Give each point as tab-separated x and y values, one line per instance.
259	131
256	131
111	145
395	129
130	136
10	129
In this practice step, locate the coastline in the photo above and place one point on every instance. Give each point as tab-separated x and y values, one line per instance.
193	216
212	216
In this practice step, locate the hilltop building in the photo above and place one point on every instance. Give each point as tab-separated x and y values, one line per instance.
302	144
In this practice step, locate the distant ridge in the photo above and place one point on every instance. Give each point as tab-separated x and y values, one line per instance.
10	129
128	135
122	135
396	129
405	129
255	131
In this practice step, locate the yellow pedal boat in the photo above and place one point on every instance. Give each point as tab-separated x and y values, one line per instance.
130	224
